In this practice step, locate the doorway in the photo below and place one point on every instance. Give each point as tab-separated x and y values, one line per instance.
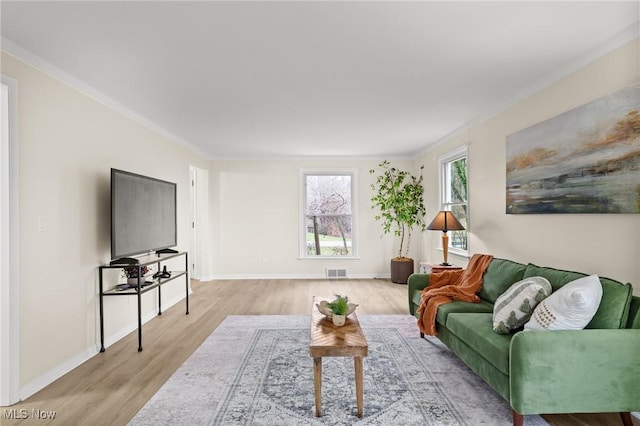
199	238
9	301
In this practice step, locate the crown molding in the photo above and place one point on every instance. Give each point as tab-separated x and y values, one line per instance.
630	33
22	54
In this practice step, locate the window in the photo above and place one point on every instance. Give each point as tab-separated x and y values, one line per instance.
454	196
327	214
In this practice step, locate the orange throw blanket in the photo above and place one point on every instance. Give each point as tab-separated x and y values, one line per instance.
447	286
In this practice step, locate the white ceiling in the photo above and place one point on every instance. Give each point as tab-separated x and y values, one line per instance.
302	78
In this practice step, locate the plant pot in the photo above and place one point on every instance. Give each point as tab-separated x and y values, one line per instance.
401	268
134	281
338	320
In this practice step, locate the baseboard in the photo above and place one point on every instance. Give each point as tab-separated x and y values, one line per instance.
62	369
635	418
293	277
54	374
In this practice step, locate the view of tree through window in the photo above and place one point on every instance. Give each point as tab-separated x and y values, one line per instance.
328	215
455	198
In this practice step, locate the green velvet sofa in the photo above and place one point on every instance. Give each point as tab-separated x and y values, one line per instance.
594	370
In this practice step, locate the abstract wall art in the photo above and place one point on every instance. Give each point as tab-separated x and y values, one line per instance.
586	160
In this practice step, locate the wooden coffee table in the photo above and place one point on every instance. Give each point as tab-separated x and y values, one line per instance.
330	340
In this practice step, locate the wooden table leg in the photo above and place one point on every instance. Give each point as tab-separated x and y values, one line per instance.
317	381
359	392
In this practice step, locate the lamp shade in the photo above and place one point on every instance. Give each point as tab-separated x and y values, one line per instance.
445	221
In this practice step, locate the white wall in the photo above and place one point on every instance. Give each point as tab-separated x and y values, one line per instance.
607	245
68	142
255	210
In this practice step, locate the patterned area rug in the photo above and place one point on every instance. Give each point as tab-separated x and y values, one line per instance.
256	370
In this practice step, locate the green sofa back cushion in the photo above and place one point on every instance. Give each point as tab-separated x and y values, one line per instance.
498	277
634	313
613	311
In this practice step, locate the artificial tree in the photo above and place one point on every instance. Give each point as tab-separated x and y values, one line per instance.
398	195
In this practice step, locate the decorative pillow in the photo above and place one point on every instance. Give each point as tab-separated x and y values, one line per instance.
571	307
514	307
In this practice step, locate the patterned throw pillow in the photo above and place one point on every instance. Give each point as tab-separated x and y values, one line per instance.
571	307
514	307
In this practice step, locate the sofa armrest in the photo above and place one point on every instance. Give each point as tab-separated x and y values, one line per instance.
575	371
416	282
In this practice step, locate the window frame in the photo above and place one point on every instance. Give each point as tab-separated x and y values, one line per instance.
443	174
303	173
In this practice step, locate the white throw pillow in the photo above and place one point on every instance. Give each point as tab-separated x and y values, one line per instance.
514	307
571	307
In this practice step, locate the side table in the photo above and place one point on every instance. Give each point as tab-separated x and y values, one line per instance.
432	268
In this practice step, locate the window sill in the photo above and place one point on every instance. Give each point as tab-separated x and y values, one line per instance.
457	252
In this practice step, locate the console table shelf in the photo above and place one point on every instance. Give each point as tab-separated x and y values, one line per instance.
143	287
149	285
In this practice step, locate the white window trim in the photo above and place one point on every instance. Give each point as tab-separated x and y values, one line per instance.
454	154
302	255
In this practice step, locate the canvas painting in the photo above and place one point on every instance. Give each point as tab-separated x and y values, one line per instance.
586	160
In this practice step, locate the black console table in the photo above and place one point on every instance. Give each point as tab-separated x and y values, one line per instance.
143	287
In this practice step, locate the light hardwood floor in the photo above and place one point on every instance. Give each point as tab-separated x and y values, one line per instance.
111	387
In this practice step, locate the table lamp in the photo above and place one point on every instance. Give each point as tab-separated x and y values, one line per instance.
445	221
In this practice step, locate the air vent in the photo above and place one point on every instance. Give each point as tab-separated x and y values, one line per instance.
336	273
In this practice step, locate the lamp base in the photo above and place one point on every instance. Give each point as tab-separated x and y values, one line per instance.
445	264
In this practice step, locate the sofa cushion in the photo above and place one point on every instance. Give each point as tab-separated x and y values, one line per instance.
570	307
476	331
514	307
458	306
557	277
455	306
498	277
634	313
614	306
613	311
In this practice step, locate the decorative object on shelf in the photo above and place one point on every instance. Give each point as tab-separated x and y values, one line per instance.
399	197
162	274
445	221
337	310
131	274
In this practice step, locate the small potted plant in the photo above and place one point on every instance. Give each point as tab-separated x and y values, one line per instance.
339	308
131	274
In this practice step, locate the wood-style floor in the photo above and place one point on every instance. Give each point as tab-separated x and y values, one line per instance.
111	387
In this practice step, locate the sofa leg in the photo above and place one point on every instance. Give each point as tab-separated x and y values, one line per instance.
421	335
518	419
626	418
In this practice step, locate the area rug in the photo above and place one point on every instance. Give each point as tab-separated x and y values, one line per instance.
256	370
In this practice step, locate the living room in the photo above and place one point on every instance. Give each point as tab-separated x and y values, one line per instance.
68	135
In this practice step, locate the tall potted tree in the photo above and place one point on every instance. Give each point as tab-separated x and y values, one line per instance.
398	195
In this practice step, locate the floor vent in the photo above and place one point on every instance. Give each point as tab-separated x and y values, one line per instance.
336	273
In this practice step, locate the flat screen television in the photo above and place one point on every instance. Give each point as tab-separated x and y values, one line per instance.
143	215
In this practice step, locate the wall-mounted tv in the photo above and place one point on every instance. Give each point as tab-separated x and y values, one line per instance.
143	214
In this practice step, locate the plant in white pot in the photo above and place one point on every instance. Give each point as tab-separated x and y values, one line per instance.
339	308
399	196
131	274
